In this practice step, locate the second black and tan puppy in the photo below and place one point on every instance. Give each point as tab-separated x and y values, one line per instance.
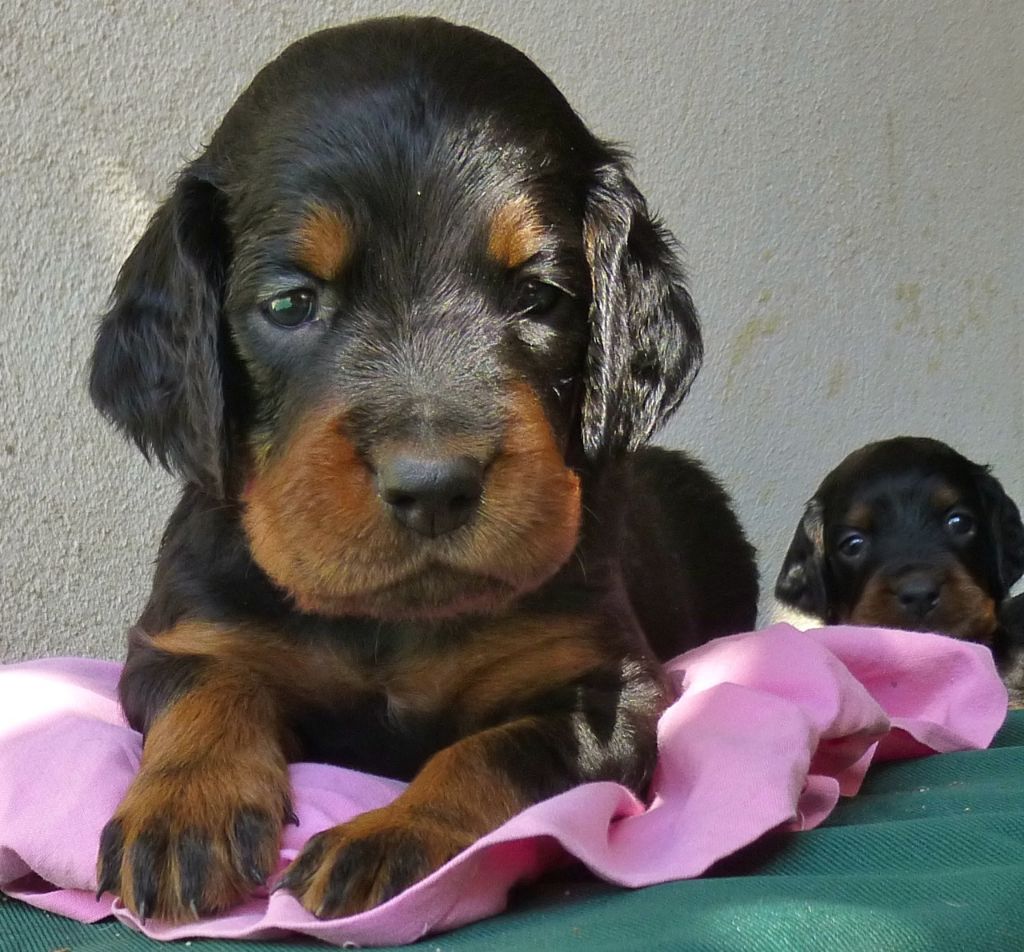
907	533
403	329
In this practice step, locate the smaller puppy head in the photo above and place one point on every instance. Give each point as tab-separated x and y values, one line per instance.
906	533
398	304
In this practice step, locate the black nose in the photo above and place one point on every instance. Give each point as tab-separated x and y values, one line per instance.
918	594
431	495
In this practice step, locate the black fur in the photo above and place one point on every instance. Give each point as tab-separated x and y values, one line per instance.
907	489
165	367
802	579
157	366
413	132
645	344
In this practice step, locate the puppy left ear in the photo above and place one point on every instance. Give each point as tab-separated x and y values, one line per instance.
802	583
157	365
645	342
1006	528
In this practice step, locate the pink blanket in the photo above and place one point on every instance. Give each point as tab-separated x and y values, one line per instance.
770	729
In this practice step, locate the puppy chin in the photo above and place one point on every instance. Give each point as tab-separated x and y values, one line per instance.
437	593
429	595
895	619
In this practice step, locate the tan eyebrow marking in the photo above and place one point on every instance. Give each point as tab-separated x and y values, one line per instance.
324	242
944	498
516	234
860	517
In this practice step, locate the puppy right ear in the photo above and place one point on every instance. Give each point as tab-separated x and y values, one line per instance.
156	366
801	582
1006	527
645	341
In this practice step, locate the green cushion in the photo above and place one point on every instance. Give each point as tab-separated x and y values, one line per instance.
929	856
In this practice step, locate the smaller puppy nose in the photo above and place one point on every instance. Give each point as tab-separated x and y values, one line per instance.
918	595
431	495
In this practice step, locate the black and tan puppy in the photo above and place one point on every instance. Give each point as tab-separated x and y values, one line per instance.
402	329
907	533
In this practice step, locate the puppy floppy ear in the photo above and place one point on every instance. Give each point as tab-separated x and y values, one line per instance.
156	366
645	343
801	583
1006	528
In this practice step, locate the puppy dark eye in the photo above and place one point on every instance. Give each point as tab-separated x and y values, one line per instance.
537	298
291	309
960	523
853	545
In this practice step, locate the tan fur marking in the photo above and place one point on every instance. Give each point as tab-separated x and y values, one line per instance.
324	242
291	674
317	526
968	611
457	797
964	610
860	516
944	498
516	234
213	752
508	658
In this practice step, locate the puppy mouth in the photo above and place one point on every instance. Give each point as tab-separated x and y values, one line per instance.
953	604
395	573
433	536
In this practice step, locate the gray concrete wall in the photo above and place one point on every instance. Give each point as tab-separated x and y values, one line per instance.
845	177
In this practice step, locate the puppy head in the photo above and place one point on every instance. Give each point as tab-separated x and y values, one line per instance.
906	533
401	295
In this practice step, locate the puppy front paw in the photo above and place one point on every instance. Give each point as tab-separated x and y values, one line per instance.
357	865
188	841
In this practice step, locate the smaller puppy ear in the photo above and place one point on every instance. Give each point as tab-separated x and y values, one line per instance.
1006	528
155	370
645	342
801	582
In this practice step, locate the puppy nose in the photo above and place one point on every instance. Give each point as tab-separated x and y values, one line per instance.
431	495
918	594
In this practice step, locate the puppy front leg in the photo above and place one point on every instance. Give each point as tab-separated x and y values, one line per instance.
464	792
200	824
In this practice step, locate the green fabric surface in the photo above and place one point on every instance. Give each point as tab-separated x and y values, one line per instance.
929	856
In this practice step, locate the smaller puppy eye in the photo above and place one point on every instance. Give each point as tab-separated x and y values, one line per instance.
291	308
960	523
538	298
852	545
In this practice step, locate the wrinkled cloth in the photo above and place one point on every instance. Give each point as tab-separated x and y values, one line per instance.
769	730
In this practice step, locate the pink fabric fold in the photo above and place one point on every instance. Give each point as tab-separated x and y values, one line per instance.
770	729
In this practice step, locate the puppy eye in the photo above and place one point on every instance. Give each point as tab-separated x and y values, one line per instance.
852	545
291	308
538	298
960	523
